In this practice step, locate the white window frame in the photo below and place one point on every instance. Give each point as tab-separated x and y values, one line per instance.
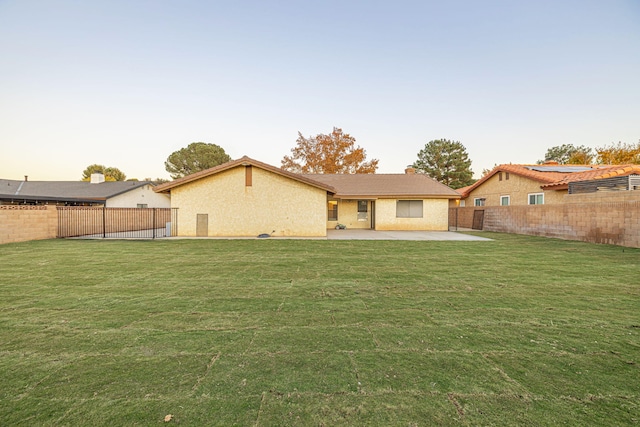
479	201
507	198
536	195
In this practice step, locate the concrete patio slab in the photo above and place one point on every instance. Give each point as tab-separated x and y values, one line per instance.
350	234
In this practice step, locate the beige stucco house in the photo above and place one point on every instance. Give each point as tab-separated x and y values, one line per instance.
547	184
246	197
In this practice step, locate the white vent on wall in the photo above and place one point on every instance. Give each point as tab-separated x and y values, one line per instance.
97	178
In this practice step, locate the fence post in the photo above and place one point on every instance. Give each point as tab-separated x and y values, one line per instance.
104	221
457	208
154	223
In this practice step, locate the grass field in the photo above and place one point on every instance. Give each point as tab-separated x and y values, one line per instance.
516	331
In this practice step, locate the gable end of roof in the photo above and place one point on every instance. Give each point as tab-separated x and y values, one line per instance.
243	161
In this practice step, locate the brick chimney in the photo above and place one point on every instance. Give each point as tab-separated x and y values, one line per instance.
26	178
410	170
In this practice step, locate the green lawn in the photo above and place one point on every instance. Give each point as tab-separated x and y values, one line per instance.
516	331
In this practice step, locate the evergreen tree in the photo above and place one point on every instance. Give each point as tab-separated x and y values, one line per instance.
196	157
446	162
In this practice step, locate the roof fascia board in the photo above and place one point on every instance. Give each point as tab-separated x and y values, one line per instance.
50	199
394	196
133	187
243	161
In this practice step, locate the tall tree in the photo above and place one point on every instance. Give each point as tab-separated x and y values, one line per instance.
110	173
447	162
569	154
619	154
196	157
333	153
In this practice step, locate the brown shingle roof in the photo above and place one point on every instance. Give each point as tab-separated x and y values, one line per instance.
244	161
342	185
352	186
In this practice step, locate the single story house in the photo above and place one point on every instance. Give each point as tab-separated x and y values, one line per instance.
246	197
97	192
547	183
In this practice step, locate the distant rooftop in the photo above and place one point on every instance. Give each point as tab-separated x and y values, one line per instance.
67	191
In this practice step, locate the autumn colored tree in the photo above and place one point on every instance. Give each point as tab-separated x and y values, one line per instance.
619	154
196	157
333	153
446	162
110	173
569	154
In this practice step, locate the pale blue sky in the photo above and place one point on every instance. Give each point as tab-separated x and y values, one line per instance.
126	83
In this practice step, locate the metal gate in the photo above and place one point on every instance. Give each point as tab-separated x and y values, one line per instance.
117	223
478	220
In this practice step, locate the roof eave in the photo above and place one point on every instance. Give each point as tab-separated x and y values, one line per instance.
53	199
243	161
139	184
555	187
394	196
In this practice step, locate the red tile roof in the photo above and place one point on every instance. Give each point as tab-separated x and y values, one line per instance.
556	177
600	173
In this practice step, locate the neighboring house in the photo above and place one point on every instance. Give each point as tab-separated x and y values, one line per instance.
548	183
112	194
246	197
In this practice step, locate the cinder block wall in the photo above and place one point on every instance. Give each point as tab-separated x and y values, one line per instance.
606	217
23	223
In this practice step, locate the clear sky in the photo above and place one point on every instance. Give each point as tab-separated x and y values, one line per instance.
125	83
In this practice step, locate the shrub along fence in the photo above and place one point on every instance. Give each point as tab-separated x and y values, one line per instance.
611	218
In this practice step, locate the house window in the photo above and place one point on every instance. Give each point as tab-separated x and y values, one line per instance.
536	199
332	208
505	200
409	209
142	205
479	201
499	176
506	176
462	203
362	210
